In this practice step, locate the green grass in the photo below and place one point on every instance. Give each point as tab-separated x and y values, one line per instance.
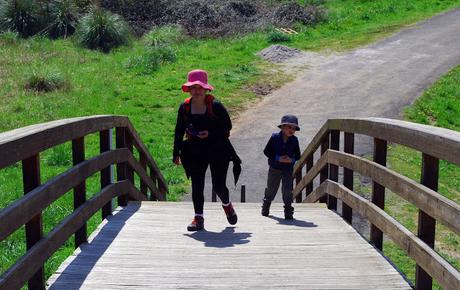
438	106
100	83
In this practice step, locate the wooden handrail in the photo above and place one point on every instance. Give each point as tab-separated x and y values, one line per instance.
441	208
34	259
432	262
437	142
31	204
19	144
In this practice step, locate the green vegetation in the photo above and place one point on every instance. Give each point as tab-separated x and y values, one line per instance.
439	106
147	89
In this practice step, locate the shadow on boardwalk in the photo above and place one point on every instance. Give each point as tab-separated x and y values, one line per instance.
294	222
224	239
85	261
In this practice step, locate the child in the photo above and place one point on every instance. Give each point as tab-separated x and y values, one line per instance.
282	151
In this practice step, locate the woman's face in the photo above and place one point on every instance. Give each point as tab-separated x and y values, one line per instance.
197	91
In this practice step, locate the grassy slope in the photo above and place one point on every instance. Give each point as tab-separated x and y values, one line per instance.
100	84
439	106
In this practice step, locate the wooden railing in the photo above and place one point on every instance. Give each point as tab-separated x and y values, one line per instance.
433	143
26	144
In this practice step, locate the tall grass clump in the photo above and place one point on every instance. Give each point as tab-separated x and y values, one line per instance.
21	16
168	34
276	37
102	30
46	81
62	18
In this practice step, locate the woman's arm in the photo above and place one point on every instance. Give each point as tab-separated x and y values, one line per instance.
179	133
223	121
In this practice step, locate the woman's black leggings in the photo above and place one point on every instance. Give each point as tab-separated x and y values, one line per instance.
219	170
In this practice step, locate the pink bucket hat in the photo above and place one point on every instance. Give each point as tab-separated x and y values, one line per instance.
197	77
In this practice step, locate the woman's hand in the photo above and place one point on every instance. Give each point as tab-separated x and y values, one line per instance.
203	134
177	161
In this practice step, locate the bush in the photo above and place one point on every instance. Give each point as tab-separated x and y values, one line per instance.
100	29
290	13
276	36
63	17
151	60
21	16
164	35
46	81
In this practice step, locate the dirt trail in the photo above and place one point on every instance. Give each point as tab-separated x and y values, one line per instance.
374	81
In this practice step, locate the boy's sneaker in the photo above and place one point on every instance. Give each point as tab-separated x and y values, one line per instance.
197	224
266	208
288	212
230	213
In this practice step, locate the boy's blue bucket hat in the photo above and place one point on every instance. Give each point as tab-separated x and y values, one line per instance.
289	120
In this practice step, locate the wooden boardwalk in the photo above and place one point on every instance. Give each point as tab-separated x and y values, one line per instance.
147	246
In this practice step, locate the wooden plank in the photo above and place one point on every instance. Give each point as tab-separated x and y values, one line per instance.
334	169
324	174
311	174
444	273
34	225
104	146
378	191
79	191
312	146
122	168
348	180
149	244
427	224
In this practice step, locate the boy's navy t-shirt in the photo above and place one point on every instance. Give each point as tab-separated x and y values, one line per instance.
276	148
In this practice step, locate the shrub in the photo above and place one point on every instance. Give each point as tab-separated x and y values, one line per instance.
276	36
63	17
290	13
21	16
46	81
101	29
164	35
152	58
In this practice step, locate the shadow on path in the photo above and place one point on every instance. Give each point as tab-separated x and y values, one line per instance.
91	252
294	222
224	239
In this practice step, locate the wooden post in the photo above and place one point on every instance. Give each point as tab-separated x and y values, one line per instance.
309	165
324	174
79	192
378	191
121	167
427	224
143	162
153	195
213	196
243	193
334	169
349	147
34	228
104	145
298	178
129	170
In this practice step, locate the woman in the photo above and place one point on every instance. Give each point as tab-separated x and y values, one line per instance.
206	125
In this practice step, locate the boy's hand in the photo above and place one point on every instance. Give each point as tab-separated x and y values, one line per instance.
203	134
285	159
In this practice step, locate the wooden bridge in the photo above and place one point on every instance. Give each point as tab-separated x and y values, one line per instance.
144	244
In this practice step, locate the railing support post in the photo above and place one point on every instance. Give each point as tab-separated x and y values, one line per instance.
213	196
378	191
79	192
34	228
121	167
298	178
427	224
309	165
243	193
349	147
325	172
334	169
104	142
143	163
153	195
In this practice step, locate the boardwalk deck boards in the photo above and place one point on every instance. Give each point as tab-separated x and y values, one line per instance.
146	246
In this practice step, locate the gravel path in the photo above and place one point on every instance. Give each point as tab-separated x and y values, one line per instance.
374	81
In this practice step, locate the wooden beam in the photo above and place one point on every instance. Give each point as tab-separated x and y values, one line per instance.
378	191
79	191
106	173
348	179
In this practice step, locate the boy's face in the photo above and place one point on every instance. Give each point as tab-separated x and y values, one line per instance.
288	130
